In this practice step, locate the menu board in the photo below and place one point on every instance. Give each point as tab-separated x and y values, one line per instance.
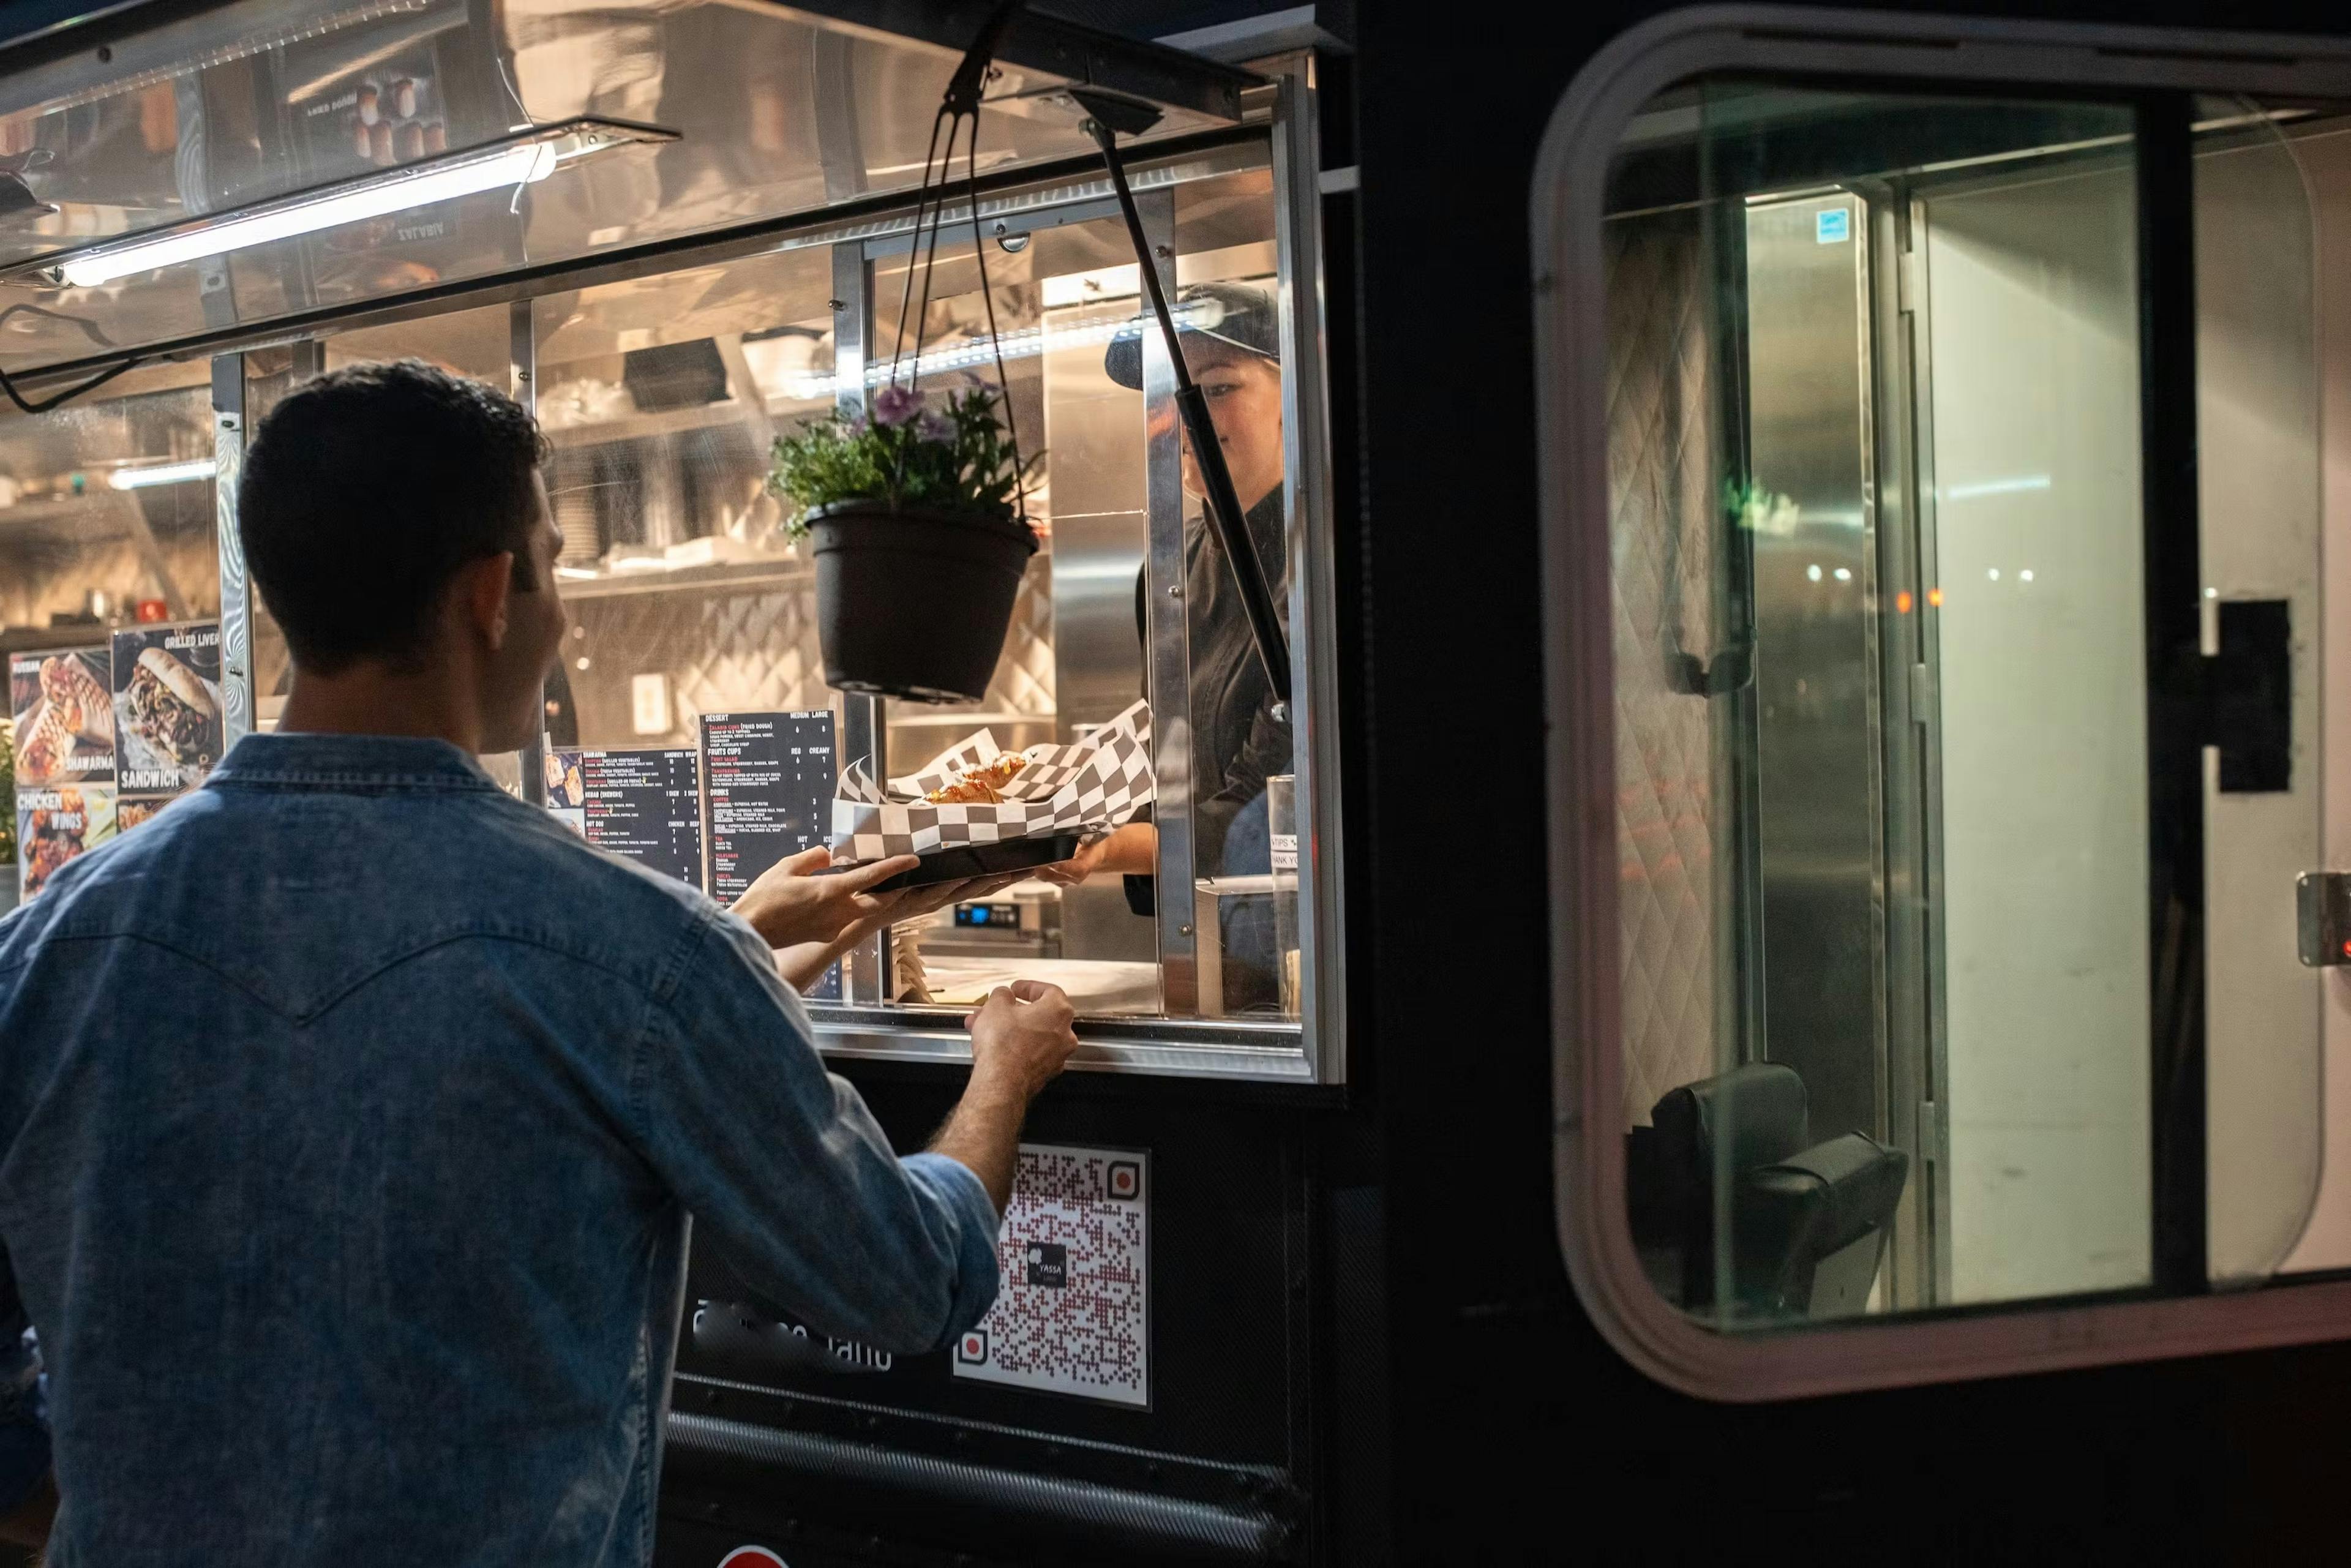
643	804
769	780
167	715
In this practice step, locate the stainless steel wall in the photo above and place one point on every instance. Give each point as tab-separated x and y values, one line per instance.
1816	668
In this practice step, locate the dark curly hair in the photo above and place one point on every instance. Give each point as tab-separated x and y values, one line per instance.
366	491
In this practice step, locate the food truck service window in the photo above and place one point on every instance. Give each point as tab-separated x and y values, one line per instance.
1937	478
548	198
1128	710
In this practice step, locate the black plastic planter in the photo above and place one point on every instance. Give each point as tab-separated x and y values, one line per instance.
913	602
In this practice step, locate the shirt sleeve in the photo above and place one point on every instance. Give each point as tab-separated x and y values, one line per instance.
1266	752
783	1165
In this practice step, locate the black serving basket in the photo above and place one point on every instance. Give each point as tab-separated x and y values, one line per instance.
964	861
913	602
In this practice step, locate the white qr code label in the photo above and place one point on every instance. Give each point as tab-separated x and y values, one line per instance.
1074	1313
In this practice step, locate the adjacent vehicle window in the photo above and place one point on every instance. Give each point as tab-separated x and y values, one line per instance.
1965	640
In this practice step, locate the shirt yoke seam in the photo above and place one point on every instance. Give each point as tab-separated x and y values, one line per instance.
327	1003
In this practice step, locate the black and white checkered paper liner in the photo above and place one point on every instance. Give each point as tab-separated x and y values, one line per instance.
1086	788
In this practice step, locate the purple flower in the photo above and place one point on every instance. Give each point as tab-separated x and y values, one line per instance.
935	428
895	405
855	427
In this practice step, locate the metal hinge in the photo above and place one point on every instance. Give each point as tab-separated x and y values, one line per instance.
1922	692
2242	698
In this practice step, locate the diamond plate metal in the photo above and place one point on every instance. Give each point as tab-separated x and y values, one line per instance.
722	652
735	652
1663	500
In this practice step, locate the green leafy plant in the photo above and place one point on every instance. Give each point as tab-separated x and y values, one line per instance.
1760	510
958	457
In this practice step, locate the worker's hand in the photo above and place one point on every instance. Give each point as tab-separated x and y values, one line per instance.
1021	1038
1077	868
1132	848
791	905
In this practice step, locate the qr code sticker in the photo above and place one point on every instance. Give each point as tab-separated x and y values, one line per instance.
1073	1315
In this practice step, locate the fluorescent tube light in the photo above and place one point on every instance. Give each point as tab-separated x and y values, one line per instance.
162	473
1020	343
512	161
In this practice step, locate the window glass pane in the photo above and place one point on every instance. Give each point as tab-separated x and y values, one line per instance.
1899	1016
474	343
106	528
663	397
1242	767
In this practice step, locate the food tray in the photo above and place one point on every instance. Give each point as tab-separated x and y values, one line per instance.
964	861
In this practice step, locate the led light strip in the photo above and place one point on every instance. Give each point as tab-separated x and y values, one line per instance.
162	473
1021	343
515	162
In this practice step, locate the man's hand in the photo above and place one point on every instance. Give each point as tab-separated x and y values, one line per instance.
790	905
1020	1040
804	964
1022	1035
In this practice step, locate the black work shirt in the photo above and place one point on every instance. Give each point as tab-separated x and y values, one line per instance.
1237	741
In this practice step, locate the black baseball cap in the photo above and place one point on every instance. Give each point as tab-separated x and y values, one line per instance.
1234	313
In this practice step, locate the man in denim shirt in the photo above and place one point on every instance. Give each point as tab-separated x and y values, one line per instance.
352	1110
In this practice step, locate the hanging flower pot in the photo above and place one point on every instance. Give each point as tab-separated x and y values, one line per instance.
917	509
912	515
913	602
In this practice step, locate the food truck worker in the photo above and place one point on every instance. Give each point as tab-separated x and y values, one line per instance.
353	1109
1229	333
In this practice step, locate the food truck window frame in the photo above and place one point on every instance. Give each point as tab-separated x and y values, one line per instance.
1884	52
1310	1049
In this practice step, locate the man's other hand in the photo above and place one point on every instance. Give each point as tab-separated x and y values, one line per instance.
1020	1040
1021	1037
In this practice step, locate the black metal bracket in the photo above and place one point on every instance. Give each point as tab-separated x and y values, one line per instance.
2244	695
1107	115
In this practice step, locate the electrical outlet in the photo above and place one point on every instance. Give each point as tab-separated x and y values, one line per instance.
649	704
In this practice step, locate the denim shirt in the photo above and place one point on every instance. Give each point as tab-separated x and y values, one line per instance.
350	1114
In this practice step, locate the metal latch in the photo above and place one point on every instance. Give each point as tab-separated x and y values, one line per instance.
2323	915
2245	692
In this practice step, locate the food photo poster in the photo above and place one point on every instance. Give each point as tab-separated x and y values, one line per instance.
108	736
167	716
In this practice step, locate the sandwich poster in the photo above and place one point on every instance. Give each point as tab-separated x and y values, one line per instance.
64	718
57	825
167	715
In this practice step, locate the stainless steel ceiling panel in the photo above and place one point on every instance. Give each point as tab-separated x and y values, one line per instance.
780	112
